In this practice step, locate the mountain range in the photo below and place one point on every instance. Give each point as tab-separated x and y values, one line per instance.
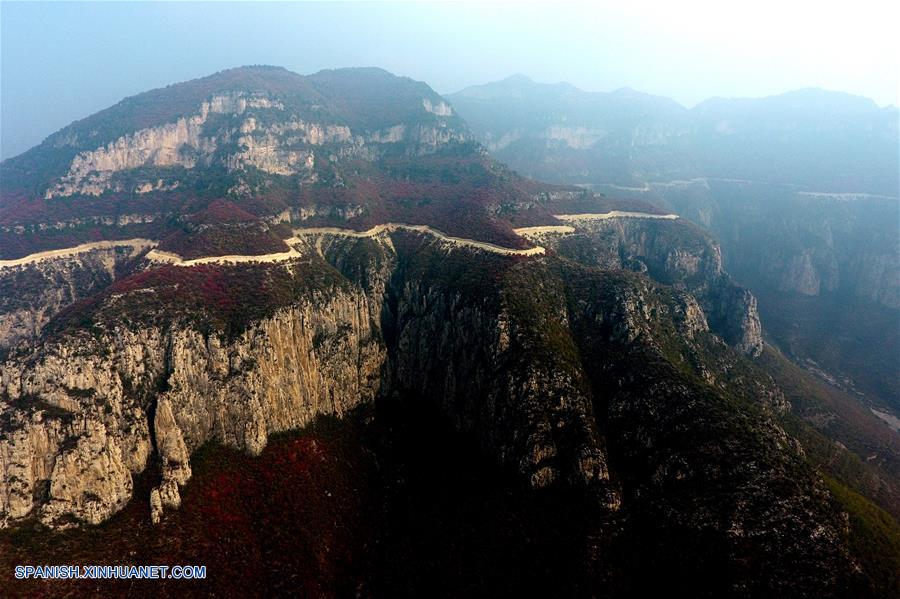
813	139
314	329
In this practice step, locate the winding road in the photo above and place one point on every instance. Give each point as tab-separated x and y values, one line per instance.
136	245
159	256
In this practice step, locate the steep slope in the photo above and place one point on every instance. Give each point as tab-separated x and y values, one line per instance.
167	302
825	268
279	145
228	164
182	125
557	132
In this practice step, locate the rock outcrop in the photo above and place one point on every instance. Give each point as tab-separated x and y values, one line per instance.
601	371
561	372
811	244
240	131
674	253
86	414
172	144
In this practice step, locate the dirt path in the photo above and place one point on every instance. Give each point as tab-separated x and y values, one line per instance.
530	231
176	260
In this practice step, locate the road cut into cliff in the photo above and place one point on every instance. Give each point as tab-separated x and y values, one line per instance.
136	245
163	257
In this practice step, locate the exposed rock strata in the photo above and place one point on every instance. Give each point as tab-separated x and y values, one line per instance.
555	368
173	388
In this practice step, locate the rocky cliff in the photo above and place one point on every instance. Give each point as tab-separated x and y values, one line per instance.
672	252
800	243
567	374
816	139
167	388
238	131
824	267
87	413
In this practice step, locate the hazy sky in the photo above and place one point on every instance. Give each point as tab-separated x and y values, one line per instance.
64	61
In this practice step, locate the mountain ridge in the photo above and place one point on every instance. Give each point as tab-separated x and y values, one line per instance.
522	79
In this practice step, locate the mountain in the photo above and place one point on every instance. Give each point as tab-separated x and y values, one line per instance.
816	139
308	326
556	131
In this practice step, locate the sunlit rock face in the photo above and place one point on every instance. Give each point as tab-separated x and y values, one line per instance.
106	413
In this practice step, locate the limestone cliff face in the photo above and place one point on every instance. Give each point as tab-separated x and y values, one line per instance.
578	138
75	429
86	413
810	244
119	220
476	358
734	314
438	108
876	277
866	268
527	412
806	272
172	144
572	376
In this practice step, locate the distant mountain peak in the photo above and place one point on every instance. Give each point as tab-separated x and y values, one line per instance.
626	91
357	71
515	86
518	78
258	67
